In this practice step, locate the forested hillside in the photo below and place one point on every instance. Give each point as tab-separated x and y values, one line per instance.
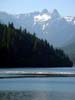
18	48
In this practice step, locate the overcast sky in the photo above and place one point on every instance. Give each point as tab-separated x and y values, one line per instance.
65	7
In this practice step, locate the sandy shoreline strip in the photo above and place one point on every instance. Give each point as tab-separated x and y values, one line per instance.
23	74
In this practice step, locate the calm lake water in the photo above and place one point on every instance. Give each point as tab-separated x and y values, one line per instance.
51	88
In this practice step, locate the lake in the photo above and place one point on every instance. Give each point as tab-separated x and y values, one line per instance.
46	88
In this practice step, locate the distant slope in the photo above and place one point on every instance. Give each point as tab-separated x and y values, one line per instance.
70	50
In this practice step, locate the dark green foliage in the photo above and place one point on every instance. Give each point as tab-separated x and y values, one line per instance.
18	48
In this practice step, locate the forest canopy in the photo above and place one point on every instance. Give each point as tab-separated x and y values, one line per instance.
19	48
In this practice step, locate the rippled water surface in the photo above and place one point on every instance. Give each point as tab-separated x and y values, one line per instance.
51	88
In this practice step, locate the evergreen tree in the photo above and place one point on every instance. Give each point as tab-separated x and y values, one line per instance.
18	48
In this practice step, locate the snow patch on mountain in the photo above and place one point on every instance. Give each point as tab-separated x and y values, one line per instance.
41	18
44	26
70	19
50	26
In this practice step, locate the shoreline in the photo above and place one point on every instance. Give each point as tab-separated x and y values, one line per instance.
24	74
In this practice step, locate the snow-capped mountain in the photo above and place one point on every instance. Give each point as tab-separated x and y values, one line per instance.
55	29
70	19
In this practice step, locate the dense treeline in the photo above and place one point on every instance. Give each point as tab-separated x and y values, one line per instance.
18	48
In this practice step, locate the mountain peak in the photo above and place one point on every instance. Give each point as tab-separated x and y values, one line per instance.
44	11
55	14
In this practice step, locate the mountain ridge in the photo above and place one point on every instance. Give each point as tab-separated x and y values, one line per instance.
47	25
